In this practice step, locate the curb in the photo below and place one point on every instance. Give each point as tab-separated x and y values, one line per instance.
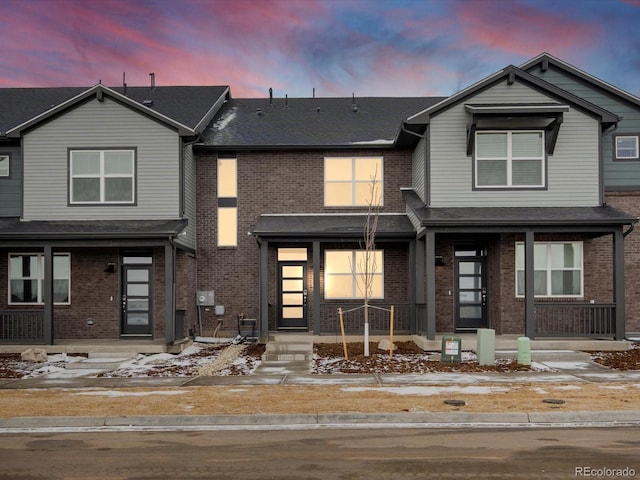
548	419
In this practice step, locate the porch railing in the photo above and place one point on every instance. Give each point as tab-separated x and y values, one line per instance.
21	326
575	319
354	320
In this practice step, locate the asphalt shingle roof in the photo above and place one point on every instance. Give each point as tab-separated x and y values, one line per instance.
184	104
308	122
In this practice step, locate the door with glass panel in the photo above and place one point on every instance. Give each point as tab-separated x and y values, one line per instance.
292	296
136	300
471	287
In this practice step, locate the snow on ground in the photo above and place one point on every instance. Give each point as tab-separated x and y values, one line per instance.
429	391
120	393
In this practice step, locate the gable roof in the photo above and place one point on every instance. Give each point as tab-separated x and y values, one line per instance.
374	122
544	60
511	74
187	109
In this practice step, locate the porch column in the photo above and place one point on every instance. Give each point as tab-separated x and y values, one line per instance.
412	286
618	283
430	265
529	286
169	293
316	287
264	291
47	295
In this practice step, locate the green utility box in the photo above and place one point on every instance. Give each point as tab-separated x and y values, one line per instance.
451	350
486	346
524	351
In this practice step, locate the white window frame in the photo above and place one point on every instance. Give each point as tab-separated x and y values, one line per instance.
549	270
349	271
510	159
354	182
39	277
5	172
101	175
636	139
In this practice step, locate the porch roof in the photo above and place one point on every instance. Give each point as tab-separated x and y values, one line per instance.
585	219
331	226
14	229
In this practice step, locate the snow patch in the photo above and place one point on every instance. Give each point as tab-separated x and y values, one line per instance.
428	391
116	393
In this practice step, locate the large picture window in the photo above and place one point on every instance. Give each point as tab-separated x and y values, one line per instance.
102	176
510	159
26	275
348	181
558	269
344	274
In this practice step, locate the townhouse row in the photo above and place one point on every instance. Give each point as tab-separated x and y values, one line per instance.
162	212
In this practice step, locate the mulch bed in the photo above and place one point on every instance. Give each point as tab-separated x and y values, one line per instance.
629	360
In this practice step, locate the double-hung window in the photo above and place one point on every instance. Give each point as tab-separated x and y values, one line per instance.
345	277
102	176
352	181
4	166
558	269
510	159
626	147
26	276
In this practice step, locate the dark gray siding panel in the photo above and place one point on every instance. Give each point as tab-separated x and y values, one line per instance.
11	187
617	174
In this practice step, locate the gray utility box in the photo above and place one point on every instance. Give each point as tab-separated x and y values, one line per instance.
451	350
205	298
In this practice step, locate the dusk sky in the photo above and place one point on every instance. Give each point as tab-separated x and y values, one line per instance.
338	47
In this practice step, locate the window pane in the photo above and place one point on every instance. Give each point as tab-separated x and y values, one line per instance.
375	261
292	254
292	299
565	282
338	286
227	227
61	291
470	297
292	312
292	271
540	282
365	195
526	144
526	172
470	312
85	163
338	194
470	282
24	291
118	189
227	178
292	285
368	168
377	286
138	289
627	147
85	190
338	261
566	255
117	162
137	318
492	172
491	145
138	275
61	267
540	256
138	305
4	165
470	267
338	169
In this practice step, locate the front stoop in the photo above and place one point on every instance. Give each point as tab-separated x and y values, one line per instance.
285	355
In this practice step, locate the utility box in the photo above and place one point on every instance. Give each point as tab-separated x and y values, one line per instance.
205	298
451	350
486	347
524	351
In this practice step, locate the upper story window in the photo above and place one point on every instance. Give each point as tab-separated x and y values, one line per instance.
102	176
510	159
626	147
26	276
227	188
557	269
344	274
4	166
353	181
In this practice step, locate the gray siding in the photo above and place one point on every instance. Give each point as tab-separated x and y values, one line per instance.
189	192
419	182
11	187
101	125
572	172
621	173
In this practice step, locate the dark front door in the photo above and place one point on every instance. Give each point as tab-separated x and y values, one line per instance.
292	296
136	300
471	287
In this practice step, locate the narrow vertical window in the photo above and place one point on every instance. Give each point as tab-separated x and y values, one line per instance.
227	189
4	166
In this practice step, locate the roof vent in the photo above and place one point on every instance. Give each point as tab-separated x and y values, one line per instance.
318	109
271	96
147	103
259	111
354	107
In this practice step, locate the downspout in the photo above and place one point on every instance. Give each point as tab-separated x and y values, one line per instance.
631	228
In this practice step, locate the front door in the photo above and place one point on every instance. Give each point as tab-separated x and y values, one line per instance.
136	297
292	296
471	291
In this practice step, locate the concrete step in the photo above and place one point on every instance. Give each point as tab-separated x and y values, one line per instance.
291	338
283	368
280	347
286	357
